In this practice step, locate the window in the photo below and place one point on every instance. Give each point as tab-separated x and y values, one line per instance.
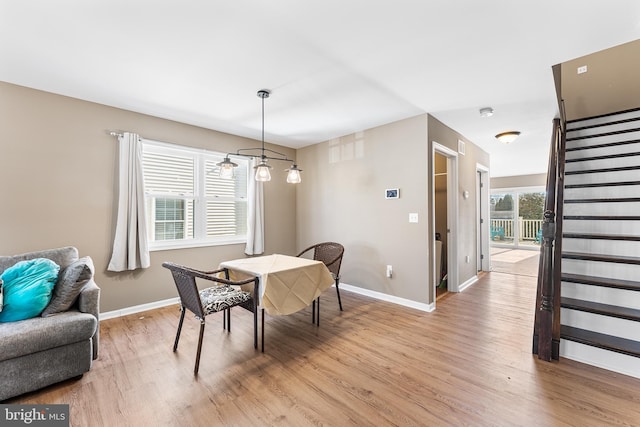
187	203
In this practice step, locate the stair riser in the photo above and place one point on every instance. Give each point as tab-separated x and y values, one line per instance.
608	208
604	139
595	247
612	361
613	326
602	164
601	192
629	115
611	296
603	151
599	177
601	269
602	227
616	127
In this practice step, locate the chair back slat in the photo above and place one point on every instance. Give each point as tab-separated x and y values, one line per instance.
330	253
187	288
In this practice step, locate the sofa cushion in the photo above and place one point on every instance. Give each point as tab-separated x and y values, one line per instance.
27	288
42	333
61	256
70	282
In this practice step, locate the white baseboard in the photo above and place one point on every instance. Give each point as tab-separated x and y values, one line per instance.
373	294
468	283
138	308
389	298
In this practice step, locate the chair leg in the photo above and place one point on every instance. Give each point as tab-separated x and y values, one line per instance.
255	327
313	311
263	330
338	292
175	344
197	367
318	313
224	320
228	320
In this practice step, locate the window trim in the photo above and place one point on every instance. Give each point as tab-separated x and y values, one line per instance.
198	197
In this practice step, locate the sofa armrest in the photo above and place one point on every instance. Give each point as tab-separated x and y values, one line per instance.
89	302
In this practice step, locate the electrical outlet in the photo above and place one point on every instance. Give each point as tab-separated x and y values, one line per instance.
413	217
389	271
582	70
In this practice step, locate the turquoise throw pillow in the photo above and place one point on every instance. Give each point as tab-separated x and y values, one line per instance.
27	288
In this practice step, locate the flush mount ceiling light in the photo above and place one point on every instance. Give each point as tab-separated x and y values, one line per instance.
486	112
507	137
262	170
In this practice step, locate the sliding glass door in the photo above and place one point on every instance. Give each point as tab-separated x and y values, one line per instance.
516	217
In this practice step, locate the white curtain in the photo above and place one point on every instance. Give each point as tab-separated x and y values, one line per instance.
130	245
255	213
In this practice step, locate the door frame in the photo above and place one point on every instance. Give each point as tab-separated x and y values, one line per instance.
452	218
483	218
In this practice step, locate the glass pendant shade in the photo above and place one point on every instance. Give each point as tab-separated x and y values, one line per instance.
293	177
262	172
226	168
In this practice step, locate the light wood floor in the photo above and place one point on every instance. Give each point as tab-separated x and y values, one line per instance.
376	363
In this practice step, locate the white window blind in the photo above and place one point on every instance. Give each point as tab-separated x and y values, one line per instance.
188	204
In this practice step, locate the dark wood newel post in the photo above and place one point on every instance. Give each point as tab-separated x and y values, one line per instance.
546	301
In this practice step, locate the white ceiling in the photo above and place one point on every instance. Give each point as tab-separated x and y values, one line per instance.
334	66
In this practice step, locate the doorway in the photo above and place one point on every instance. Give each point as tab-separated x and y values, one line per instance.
444	215
483	261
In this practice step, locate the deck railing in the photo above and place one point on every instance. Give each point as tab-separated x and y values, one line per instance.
528	229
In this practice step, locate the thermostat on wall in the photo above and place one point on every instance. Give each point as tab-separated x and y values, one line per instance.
392	193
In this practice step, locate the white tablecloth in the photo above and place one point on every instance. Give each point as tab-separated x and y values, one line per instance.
287	284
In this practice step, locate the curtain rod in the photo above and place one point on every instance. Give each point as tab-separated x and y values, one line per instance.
115	133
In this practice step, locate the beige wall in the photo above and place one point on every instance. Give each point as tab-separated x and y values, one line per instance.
535	180
342	199
58	178
609	85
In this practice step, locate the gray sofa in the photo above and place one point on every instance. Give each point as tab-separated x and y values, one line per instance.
41	351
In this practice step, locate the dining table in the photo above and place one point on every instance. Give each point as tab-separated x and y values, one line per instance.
287	284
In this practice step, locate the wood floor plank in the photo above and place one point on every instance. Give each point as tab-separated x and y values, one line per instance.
467	363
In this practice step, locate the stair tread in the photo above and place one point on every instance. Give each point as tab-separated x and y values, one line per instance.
602	217
603	170
601	281
605	200
619	259
602	184
600	308
600	236
596	339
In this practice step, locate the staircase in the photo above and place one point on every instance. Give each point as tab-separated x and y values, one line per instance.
600	290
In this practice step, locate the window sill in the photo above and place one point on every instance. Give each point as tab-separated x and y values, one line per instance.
166	246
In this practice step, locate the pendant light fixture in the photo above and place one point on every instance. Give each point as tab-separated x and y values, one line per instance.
262	172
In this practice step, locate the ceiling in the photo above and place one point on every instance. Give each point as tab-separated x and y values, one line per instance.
334	67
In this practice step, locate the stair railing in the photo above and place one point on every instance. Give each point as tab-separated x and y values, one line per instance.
546	334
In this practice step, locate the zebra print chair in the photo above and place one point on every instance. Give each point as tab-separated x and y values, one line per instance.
220	297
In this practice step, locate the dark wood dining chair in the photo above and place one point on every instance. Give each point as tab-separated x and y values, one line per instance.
330	253
222	296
